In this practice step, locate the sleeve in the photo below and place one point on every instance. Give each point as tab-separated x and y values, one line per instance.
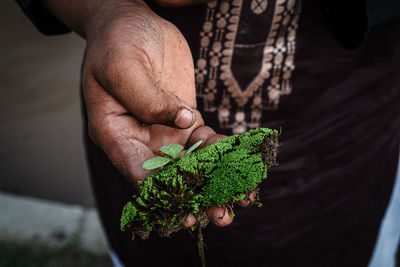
382	13
45	22
352	22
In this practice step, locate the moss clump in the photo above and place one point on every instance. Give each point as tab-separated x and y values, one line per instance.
221	173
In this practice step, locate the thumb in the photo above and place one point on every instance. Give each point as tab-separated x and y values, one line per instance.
163	107
139	92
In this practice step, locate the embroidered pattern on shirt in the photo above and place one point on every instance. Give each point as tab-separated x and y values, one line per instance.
241	70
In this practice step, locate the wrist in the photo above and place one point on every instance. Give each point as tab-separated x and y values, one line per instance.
82	17
75	14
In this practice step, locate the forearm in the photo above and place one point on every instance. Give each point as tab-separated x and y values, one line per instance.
73	13
80	15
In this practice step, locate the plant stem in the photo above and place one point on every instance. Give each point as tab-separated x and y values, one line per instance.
200	246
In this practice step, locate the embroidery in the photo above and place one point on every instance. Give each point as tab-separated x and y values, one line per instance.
258	6
240	93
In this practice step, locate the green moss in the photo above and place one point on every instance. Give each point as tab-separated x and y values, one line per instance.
128	215
221	173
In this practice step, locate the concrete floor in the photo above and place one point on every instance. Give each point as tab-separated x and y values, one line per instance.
52	223
41	149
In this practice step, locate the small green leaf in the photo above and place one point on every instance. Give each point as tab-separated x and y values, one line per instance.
155	163
193	147
171	150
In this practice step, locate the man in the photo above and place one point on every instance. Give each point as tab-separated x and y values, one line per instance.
258	63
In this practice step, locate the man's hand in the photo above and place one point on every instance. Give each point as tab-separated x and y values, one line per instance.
138	84
138	75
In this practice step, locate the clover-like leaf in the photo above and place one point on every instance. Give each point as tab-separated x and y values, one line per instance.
193	147
171	150
155	163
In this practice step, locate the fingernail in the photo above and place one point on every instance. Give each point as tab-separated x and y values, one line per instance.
190	220
184	119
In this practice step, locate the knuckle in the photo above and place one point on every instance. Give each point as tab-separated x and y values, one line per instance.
153	112
88	81
141	57
102	132
93	133
97	129
110	71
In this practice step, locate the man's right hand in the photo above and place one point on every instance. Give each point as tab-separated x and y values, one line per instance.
138	75
138	83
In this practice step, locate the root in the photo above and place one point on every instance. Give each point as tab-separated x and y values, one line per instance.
200	246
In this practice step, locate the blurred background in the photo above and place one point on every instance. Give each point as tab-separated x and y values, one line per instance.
47	216
41	144
46	206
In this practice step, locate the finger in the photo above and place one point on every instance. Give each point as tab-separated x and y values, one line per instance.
215	138
128	155
250	198
190	220
136	90
161	135
221	216
205	134
119	135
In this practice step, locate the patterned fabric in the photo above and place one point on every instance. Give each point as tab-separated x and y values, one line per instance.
235	36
